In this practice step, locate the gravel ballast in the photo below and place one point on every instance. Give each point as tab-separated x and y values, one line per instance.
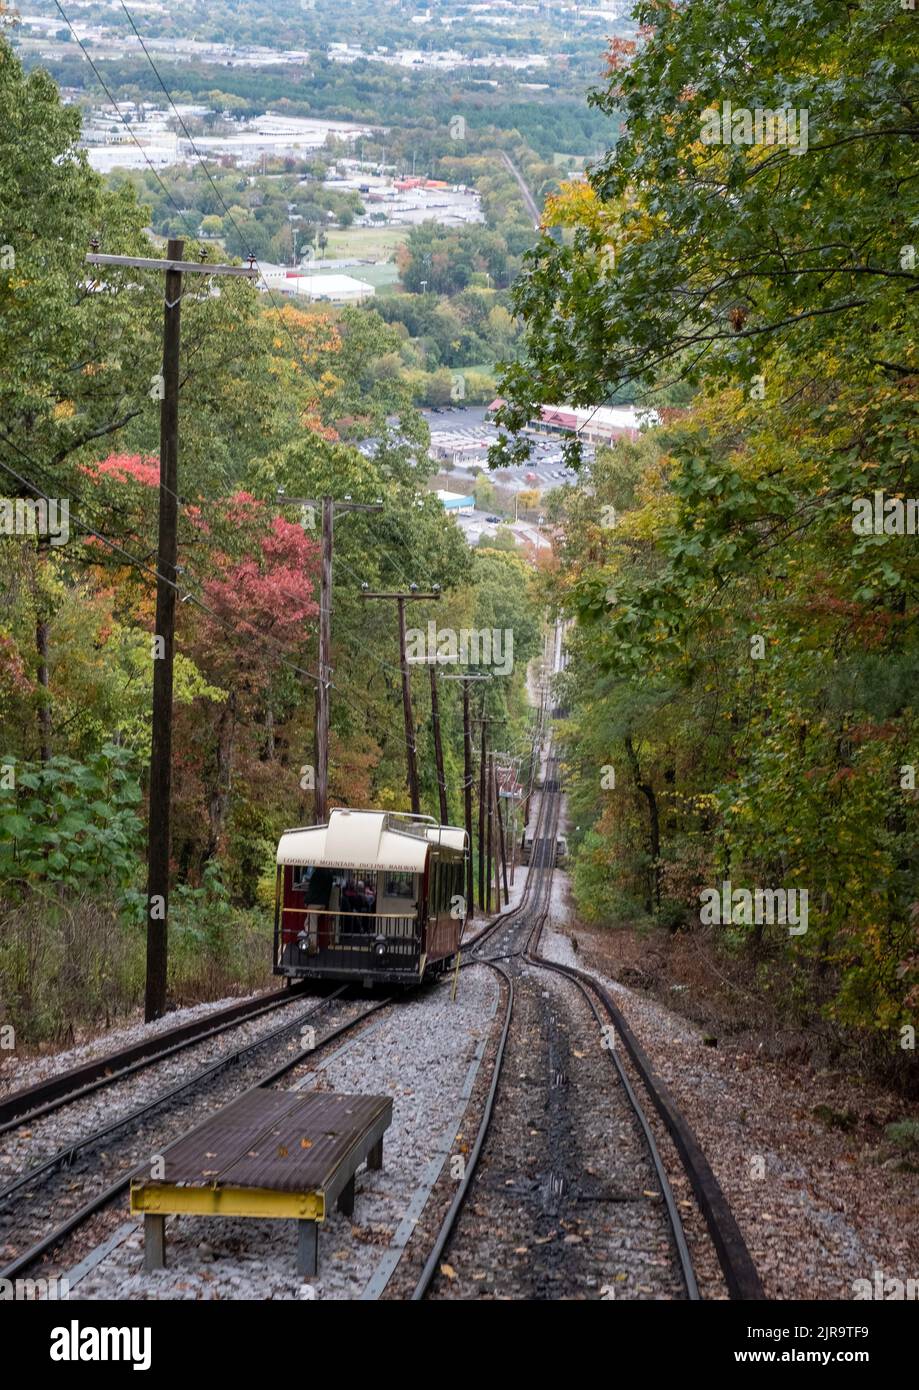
817	1207
420	1053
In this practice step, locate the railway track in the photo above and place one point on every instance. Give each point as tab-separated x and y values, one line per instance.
44	1097
49	1202
564	1193
577	1184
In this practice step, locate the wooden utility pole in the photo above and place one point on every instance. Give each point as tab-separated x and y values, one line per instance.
489	836
321	736
507	896
485	846
159	832
467	796
321	726
497	831
466	680
512	833
159	838
438	749
482	771
411	754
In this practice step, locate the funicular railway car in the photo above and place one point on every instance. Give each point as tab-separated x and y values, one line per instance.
560	855
374	896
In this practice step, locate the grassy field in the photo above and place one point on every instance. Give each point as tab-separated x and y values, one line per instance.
375	243
384	278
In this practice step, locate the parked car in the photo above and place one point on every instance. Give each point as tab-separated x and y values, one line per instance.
493	518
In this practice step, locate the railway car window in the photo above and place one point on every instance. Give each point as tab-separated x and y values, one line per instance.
400	885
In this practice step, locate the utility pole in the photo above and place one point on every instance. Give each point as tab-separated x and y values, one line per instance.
531	776
482	814
507	896
411	755
329	507
489	837
438	749
499	837
513	838
159	826
466	680
485	847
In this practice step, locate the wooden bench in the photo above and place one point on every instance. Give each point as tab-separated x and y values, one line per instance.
278	1154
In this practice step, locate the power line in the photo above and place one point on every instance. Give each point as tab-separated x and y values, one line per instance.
124	119
210	180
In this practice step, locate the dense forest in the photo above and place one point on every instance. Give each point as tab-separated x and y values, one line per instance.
743	580
271	398
739	582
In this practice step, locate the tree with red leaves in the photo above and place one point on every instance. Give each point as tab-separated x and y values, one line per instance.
259	608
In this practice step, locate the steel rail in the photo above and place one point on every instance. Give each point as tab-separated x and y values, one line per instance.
676	1224
451	1217
545	870
740	1273
31	1102
65	1156
35	1252
449	1221
506	917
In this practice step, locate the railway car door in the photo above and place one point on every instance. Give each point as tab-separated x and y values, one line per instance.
306	889
398	906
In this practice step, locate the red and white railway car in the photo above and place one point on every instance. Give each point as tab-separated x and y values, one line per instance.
371	896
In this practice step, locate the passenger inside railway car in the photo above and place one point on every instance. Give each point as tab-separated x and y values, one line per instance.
364	903
351	895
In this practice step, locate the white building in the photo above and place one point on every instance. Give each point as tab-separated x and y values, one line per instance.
337	289
455	501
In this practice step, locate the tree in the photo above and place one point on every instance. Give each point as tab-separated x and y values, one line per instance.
743	656
682	252
485	493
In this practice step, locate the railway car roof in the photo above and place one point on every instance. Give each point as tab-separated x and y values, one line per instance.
366	840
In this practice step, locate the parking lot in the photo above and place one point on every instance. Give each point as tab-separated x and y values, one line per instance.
544	470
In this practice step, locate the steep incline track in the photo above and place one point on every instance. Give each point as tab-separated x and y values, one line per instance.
565	1194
